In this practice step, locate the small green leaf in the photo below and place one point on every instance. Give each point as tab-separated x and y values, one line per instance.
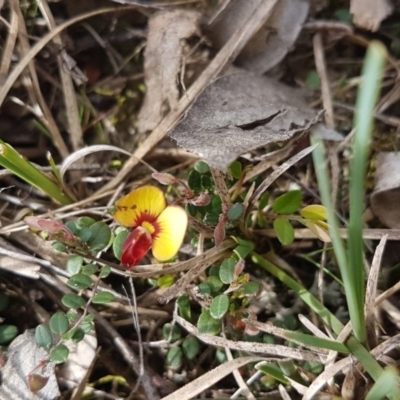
72	300
100	237
87	324
173	336
208	325
216	204
174	357
288	203
250	288
263	201
59	354
72	316
205	288
315	212
118	242
184	307
219	306
103	298
191	347
59	247
211	218
85	234
313	81
227	270
90	269
201	167
43	337
77	335
85	222
216	283
59	323
105	271
73	227
284	231
7	333
236	169
236	211
79	281
206	182
191	209
74	264
165	281
194	181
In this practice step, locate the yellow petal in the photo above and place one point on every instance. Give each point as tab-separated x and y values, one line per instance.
143	204
172	224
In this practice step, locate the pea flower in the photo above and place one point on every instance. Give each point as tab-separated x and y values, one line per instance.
157	226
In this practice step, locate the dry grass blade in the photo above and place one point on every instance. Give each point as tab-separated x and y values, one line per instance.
208	379
369	234
371	292
10	43
276	174
208	257
28	57
226	55
70	101
252	347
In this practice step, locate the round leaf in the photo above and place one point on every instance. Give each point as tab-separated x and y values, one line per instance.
59	323
208	325
184	307
173	336
59	354
250	288
74	264
315	212
190	347
43	337
77	335
165	281
201	167
79	281
105	271
236	211
100	237
103	298
85	222
72	300
284	231
90	269
7	333
194	181
227	271
219	306
236	169
288	203
174	357
118	242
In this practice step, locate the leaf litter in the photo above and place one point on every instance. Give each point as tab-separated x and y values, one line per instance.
227	117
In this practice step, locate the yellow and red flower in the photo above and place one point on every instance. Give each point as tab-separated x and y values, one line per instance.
157	226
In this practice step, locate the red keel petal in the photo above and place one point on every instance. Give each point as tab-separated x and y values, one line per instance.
136	246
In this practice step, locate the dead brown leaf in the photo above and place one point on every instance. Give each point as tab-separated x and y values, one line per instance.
272	42
238	113
385	199
163	58
368	14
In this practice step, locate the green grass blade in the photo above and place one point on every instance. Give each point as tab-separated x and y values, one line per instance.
385	385
363	124
15	163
